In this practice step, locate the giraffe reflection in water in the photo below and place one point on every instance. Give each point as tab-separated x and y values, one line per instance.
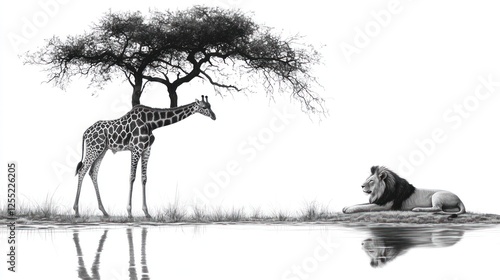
83	272
132	268
388	243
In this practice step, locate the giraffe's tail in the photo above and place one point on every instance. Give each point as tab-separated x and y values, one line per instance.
80	164
78	167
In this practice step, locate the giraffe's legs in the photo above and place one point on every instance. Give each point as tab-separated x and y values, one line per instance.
89	160
81	174
144	163
136	155
94	170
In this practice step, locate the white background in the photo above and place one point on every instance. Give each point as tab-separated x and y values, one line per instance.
413	69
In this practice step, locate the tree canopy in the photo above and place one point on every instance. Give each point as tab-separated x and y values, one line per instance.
226	48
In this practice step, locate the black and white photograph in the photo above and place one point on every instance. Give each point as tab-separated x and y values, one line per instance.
239	139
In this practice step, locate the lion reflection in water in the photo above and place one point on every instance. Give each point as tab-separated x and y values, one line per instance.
387	243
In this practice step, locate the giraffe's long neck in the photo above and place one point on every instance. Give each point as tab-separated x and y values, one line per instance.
161	117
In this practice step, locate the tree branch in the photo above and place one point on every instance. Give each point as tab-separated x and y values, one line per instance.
219	84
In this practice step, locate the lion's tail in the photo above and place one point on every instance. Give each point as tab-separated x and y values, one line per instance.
461	210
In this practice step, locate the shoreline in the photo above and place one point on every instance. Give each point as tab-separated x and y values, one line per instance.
389	218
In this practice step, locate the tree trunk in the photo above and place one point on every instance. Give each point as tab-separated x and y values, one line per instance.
172	93
136	93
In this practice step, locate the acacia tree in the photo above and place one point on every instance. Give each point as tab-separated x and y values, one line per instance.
226	48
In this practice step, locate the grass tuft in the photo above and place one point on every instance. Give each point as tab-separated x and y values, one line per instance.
216	215
200	214
256	214
173	213
280	216
312	211
235	215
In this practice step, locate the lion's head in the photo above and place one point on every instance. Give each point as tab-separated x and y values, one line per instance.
383	250
375	185
377	251
384	186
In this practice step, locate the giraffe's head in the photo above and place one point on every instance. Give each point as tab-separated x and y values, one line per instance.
203	107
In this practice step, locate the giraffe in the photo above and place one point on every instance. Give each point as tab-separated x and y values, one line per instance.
132	132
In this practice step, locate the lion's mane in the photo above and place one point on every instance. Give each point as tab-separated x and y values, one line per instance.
397	189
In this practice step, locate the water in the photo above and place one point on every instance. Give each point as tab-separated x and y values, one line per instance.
256	252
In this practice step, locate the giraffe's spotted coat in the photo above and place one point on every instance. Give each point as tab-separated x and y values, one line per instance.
132	132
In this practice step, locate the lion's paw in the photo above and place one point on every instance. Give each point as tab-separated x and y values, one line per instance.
347	210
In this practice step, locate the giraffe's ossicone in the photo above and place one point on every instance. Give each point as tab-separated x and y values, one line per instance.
132	132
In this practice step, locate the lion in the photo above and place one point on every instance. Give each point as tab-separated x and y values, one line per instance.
387	243
388	191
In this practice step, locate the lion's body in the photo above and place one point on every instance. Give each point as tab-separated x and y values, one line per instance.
423	199
388	191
